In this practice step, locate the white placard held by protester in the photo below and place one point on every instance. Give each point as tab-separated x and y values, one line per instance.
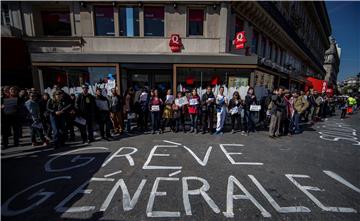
80	121
131	116
155	108
194	101
234	110
181	101
255	107
169	99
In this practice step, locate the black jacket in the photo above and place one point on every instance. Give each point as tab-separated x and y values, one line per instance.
83	108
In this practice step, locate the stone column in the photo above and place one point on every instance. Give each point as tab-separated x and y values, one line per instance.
224	27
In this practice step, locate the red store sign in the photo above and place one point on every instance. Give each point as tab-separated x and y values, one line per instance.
240	40
175	43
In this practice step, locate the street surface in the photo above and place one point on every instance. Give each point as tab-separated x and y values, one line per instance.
312	176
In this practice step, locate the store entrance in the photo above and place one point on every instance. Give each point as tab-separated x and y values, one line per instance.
139	77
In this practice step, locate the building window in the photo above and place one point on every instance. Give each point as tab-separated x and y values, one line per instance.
239	25
196	21
129	21
104	21
5	16
276	53
70	79
56	23
270	50
263	47
254	42
154	21
281	57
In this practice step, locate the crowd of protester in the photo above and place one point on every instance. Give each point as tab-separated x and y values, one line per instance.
53	118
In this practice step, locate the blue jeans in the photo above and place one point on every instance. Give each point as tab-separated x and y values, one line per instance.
294	123
249	116
194	119
155	120
58	128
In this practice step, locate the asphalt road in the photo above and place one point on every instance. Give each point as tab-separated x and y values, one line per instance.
311	176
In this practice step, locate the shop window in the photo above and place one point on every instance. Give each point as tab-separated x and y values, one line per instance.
56	23
5	15
239	25
281	57
129	21
276	54
154	21
270	50
70	79
200	78
263	47
254	42
104	21
196	21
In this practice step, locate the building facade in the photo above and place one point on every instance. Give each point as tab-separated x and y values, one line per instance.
178	45
332	62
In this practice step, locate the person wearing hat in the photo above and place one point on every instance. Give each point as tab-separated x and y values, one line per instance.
86	107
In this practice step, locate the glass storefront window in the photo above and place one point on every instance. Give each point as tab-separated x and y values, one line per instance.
239	25
196	21
154	21
129	21
56	23
263	47
200	78
104	21
70	79
254	42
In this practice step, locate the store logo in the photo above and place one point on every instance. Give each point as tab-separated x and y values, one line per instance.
240	40
175	43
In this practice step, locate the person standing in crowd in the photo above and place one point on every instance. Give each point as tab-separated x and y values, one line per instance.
36	125
235	106
250	99
129	108
207	103
155	108
276	113
179	114
23	112
221	104
319	105
168	112
300	105
45	116
86	108
343	107
287	113
57	108
144	109
194	110
10	106
103	114
116	114
70	116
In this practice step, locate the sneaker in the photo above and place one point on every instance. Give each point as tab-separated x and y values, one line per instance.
243	133
34	144
196	131
232	131
152	132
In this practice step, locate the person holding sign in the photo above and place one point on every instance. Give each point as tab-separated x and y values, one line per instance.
235	107
221	104
154	106
250	102
207	102
194	106
168	112
179	113
103	114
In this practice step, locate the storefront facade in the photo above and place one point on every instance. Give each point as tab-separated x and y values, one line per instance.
180	45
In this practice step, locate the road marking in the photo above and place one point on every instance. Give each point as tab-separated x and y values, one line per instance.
170	142
174	173
111	174
341	180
